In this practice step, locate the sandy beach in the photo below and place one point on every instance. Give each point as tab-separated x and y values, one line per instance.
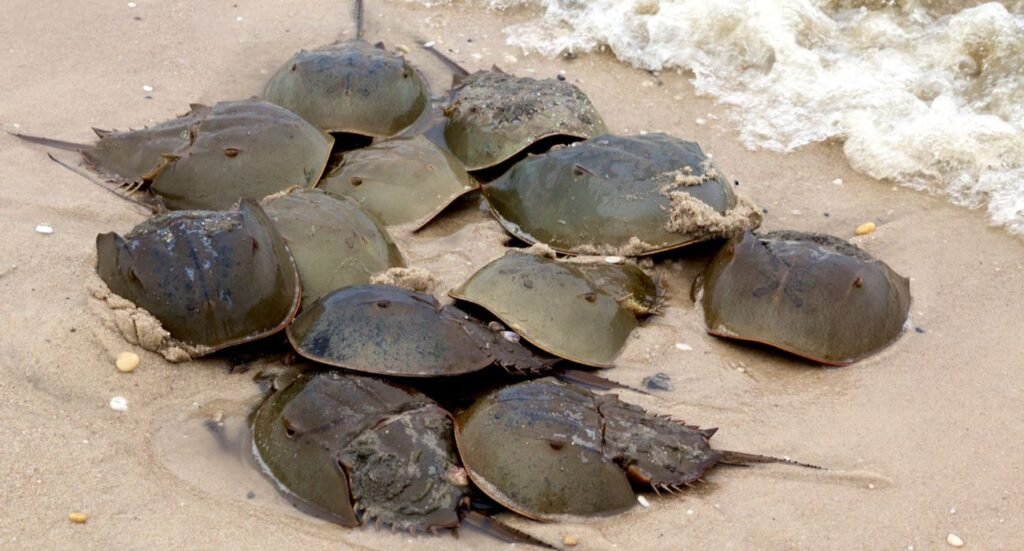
921	441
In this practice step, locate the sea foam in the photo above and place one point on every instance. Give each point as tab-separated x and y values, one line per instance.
925	93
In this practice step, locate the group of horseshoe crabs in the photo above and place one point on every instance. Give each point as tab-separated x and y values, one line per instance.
255	234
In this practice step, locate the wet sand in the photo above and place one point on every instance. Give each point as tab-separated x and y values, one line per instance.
922	440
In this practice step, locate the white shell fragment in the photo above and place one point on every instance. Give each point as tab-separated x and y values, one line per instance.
44	229
683	346
147	88
954	540
119	403
643	501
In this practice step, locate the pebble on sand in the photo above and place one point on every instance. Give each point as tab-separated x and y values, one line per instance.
78	518
954	540
126	362
643	501
570	541
45	229
865	228
147	88
658	381
119	403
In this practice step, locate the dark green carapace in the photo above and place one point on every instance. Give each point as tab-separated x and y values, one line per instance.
548	450
356	449
213	279
810	294
618	195
352	87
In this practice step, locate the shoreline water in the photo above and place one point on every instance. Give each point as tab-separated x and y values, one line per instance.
926	427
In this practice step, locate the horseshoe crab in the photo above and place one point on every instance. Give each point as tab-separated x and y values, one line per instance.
210	157
401	180
335	243
357	449
392	331
213	279
810	294
627	196
540	298
495	116
549	451
351	86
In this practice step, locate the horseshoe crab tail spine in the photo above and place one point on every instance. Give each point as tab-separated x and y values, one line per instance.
586	378
502	531
459	70
745	459
359	19
48	142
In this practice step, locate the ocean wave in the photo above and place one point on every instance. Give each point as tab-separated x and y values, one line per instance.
925	93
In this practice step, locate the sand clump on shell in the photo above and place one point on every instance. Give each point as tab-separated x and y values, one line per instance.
692	216
411	278
139	327
633	247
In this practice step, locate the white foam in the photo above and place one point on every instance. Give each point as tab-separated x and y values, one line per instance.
925	93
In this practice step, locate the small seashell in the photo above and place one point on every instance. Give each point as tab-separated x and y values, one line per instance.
147	88
569	541
429	44
402	48
44	229
126	362
510	336
865	228
837	182
119	403
132	4
643	501
954	540
78	518
683	346
613	259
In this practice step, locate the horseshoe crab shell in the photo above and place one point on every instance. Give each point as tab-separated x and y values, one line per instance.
558	307
618	195
352	87
494	116
335	243
392	331
810	294
210	157
547	450
213	279
401	180
357	449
